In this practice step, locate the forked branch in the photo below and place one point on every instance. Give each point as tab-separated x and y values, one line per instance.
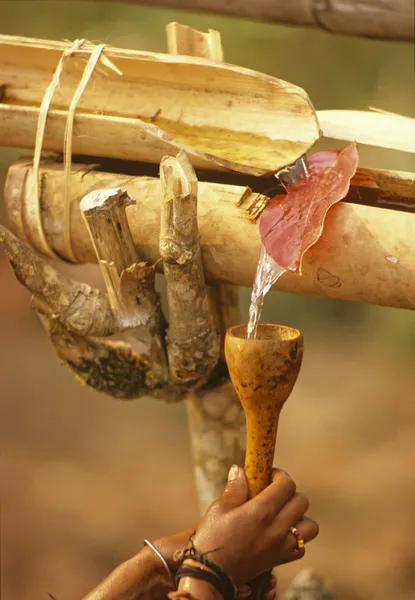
79	307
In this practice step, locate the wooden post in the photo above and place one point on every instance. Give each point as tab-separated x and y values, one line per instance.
216	419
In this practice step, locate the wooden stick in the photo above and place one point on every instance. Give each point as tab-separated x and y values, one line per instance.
383	189
58	294
130	284
365	254
193	341
371	128
184	40
106	220
387	19
78	320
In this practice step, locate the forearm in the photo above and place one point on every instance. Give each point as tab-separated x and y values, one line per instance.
140	578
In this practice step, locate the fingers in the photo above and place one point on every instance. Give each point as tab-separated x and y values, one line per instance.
276	495
272	583
271	593
236	490
308	529
293	511
244	591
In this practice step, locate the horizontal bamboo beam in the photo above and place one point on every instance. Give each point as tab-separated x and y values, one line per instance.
365	254
382	19
148	105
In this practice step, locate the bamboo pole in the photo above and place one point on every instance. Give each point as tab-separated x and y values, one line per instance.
149	105
365	254
383	19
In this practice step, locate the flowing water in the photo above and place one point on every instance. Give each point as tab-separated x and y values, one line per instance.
267	273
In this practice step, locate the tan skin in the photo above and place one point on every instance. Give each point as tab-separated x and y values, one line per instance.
252	536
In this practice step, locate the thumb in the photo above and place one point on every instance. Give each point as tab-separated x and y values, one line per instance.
236	490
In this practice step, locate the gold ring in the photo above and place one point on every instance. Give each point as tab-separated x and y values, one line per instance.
297	535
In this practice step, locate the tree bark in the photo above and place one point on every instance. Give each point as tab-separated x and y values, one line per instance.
383	19
365	254
217	431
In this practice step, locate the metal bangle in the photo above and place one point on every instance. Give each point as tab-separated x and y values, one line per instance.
161	557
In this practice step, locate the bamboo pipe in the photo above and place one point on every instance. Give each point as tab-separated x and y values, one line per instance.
148	105
365	254
263	372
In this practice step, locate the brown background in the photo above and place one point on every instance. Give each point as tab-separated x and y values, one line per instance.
85	477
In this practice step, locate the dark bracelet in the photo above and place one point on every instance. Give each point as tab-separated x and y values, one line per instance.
223	585
193	554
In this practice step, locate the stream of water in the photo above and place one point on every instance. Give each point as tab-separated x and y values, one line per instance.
268	272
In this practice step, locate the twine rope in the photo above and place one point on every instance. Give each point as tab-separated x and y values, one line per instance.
95	56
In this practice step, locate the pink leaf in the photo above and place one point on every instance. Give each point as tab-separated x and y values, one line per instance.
292	223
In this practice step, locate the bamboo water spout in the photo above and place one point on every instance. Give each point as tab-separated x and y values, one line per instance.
263	371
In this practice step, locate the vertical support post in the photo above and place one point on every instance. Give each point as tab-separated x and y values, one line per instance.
216	418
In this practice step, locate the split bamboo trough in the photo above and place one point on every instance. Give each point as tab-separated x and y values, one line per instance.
142	106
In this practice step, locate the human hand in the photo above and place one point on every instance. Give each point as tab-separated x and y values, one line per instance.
244	591
247	537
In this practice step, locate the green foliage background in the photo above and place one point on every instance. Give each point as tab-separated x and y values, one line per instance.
336	71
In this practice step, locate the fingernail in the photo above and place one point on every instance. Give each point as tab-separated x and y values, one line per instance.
233	473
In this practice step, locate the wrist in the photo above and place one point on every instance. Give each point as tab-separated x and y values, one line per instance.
198	588
170	551
154	567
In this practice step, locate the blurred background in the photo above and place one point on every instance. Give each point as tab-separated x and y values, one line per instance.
86	477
